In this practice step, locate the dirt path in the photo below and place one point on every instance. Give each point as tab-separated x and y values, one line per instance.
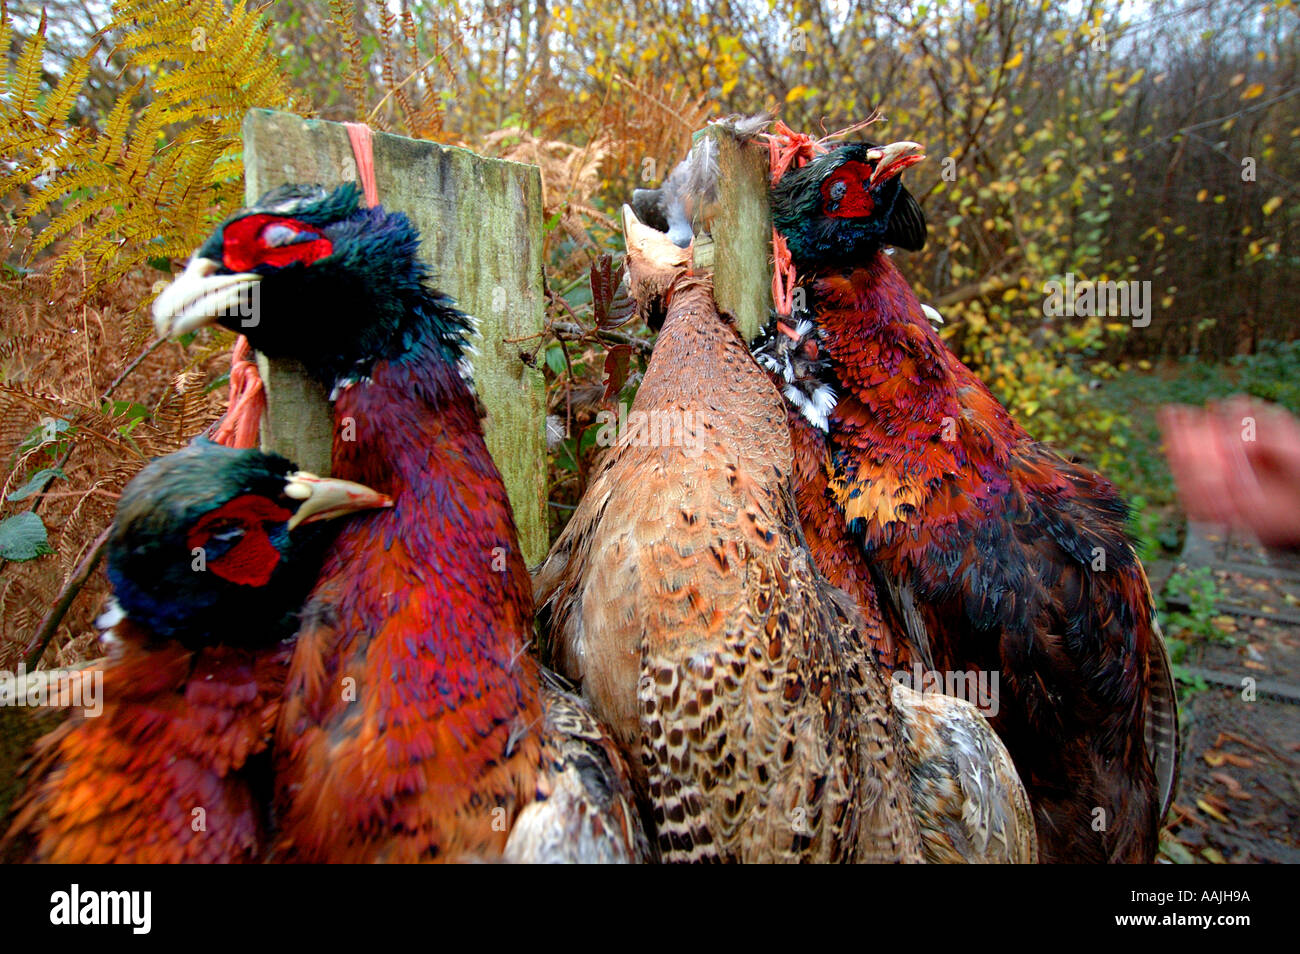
1239	798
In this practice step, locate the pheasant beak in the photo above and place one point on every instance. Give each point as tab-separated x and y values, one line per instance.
892	159
324	498
199	296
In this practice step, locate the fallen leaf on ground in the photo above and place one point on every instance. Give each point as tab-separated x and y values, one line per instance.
1176	852
1210	810
1234	787
1186	815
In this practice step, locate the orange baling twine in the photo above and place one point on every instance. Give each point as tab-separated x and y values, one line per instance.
364	154
247	403
788	150
247	400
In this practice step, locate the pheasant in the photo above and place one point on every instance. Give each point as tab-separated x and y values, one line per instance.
686	200
415	726
683	598
790	350
993	552
210	555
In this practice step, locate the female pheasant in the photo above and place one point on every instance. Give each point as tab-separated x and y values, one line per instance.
683	598
996	554
211	554
415	725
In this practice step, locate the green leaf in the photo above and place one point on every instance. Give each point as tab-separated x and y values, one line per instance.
130	409
23	537
35	482
47	431
555	358
588	438
567	459
1176	853
578	296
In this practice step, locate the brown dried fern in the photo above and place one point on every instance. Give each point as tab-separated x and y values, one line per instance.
68	347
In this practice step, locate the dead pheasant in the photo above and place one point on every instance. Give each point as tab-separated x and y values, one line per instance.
416	726
211	554
683	598
992	552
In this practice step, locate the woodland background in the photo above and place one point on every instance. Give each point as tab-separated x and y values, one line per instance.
1152	141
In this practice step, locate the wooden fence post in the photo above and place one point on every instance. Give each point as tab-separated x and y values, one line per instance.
480	223
742	233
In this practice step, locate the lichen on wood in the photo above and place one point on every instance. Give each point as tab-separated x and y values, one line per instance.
480	222
742	233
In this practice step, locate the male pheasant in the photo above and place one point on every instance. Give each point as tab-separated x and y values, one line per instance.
415	726
994	552
211	553
682	597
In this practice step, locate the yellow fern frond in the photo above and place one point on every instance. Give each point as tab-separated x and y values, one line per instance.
61	101
6	38
145	140
74	215
29	70
165	163
111	142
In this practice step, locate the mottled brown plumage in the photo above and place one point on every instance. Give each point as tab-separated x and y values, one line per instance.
582	811
966	793
683	598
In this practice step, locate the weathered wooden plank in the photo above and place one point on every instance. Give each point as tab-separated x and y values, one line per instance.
742	233
1225	608
1275	688
481	225
1158	573
1205	544
298	421
1286	574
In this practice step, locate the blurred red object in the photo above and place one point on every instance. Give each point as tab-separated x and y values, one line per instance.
1237	463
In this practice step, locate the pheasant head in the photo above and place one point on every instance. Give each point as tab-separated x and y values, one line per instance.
654	266
843	207
314	275
209	537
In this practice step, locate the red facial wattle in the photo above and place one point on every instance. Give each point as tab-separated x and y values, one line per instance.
259	240
846	193
252	559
